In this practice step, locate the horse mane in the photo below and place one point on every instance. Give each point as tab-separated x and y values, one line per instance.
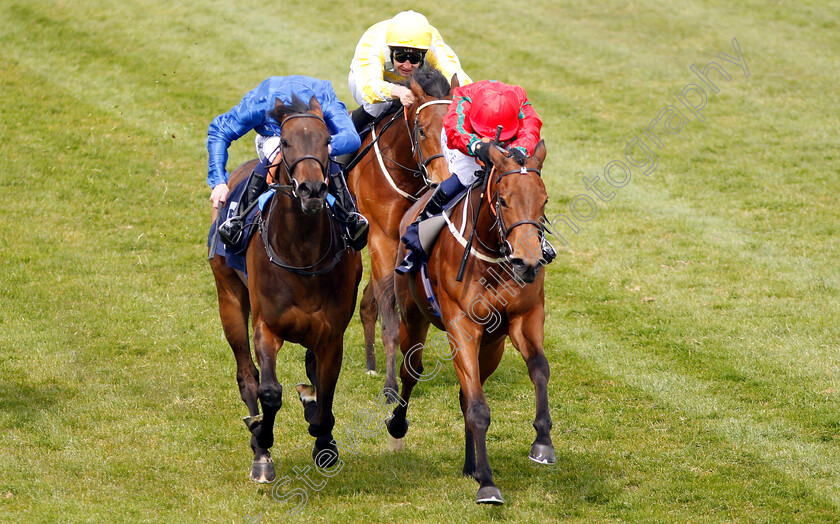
297	106
431	80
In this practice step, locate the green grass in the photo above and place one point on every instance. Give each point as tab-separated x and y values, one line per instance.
691	325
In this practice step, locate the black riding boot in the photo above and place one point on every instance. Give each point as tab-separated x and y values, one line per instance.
355	225
435	204
230	231
442	195
361	118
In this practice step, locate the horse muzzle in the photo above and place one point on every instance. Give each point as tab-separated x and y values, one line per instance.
526	271
312	196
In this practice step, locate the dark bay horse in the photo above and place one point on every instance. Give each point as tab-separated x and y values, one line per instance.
301	287
404	161
501	295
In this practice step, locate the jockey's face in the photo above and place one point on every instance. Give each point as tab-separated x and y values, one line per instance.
407	60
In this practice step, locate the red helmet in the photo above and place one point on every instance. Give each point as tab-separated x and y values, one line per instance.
495	105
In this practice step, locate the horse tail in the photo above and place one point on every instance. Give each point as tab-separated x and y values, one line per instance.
386	301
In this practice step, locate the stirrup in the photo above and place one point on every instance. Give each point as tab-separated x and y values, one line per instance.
230	231
356	227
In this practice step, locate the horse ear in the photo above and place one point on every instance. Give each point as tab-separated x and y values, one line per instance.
416	90
454	83
278	104
539	153
315	107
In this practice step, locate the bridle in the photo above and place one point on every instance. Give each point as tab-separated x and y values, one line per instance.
416	150
336	240
291	188
504	231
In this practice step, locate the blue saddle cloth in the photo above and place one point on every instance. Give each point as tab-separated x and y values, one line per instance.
234	256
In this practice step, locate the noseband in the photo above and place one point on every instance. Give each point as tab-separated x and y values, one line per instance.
291	188
504	231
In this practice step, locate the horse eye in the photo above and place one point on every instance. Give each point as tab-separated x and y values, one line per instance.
422	131
284	142
502	202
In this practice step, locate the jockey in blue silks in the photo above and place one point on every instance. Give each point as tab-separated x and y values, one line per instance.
252	113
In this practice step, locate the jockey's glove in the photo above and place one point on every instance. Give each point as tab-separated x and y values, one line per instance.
481	150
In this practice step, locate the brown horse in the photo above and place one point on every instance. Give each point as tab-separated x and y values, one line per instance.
501	295
405	160
301	287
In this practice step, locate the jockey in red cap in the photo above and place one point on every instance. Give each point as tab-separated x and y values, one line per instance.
469	128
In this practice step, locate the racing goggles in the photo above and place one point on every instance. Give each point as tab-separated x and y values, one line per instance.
413	57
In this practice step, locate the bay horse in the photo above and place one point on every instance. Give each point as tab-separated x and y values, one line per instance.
406	160
501	295
301	287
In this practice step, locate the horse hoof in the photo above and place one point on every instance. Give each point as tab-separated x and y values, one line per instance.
489	495
306	393
394	429
542	453
395	444
324	458
371	373
263	472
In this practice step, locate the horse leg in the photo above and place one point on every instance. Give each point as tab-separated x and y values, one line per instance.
489	359
270	393
526	333
367	313
327	365
306	392
413	330
234	309
383	291
469	440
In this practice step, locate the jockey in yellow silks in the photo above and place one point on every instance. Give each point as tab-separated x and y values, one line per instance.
388	54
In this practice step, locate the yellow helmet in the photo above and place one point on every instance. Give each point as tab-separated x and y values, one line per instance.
409	29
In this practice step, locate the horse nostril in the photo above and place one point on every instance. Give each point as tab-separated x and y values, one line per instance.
304	190
518	264
321	190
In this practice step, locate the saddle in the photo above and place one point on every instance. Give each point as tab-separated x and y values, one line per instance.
420	237
235	256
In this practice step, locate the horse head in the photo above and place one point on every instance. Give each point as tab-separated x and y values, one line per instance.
304	151
518	203
432	95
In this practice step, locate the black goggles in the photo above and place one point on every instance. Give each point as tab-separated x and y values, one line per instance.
414	57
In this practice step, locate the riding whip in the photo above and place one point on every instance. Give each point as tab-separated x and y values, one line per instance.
487	170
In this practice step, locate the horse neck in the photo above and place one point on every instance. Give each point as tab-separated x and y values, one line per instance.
396	144
485	227
300	238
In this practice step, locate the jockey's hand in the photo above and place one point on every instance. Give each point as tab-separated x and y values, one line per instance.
518	155
481	150
404	94
219	195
